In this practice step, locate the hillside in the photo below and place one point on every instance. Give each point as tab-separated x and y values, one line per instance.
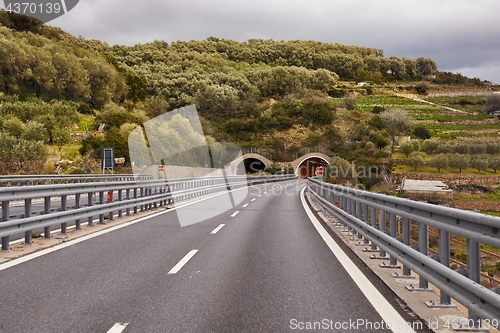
57	90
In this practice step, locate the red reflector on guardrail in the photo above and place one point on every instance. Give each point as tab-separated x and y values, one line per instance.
337	203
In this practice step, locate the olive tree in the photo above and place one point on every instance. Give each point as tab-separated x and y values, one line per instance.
417	159
397	121
479	162
492	104
409	147
426	66
440	161
459	161
494	163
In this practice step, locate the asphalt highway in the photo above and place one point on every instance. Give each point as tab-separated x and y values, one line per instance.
260	266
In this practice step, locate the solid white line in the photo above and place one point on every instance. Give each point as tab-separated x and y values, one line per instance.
235	213
118	328
216	230
183	261
245	205
254	199
383	307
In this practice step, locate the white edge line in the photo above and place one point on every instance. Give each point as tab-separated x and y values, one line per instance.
118	328
183	261
216	230
381	305
235	213
23	259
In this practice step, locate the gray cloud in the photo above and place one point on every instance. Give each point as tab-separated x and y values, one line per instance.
461	35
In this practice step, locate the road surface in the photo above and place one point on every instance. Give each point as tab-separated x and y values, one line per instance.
259	267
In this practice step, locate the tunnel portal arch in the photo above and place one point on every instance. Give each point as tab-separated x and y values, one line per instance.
305	166
252	163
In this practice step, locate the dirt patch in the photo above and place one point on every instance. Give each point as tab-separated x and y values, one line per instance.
483	205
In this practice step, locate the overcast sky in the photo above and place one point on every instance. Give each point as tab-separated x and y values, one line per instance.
461	35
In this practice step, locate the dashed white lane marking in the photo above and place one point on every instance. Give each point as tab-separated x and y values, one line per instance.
216	230
260	195
118	328
245	205
183	261
235	213
254	199
381	305
61	246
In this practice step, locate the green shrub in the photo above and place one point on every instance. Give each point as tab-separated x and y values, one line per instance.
421	132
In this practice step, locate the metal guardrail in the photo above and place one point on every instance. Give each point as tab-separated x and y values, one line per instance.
26	180
374	217
104	198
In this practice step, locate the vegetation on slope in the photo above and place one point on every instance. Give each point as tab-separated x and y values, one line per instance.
56	90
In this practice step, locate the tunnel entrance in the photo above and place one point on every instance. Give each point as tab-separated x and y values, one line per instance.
253	165
307	168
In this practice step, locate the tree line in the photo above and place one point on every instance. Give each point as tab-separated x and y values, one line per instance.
459	155
242	90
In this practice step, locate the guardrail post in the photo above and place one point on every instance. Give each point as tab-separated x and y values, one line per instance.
142	195
367	220
127	197
167	192
64	206
423	245
101	202
393	263
89	204
407	241
153	204
373	223
135	197
78	225
474	272
382	227
160	190
28	239
444	258
5	217
359	212
46	210
120	194
353	213
110	199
